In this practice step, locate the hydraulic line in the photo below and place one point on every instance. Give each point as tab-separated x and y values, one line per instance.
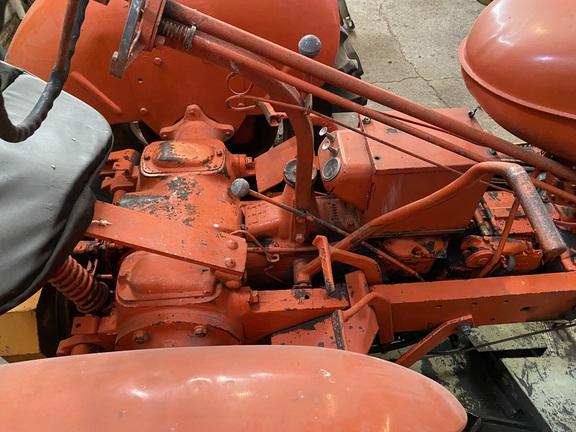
73	19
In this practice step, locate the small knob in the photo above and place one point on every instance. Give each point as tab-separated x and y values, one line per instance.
324	133
240	187
310	46
327	144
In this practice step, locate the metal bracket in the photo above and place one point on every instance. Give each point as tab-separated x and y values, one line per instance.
433	339
145	232
327	254
139	33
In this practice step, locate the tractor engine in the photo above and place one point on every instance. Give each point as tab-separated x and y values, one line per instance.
239	209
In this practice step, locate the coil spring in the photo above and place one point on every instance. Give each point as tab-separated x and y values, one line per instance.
175	30
80	287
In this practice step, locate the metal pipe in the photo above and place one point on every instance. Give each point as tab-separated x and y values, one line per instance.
248	41
376	115
550	240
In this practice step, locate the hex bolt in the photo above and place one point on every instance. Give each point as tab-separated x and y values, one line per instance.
232	244
140	336
230	262
254	297
366	120
200	331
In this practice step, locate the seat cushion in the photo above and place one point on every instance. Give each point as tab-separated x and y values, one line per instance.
45	199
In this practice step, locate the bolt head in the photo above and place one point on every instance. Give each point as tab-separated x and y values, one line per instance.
157	61
140	336
366	120
200	331
233	284
143	111
232	244
230	262
299	238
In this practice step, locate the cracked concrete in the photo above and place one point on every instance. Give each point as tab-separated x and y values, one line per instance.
410	47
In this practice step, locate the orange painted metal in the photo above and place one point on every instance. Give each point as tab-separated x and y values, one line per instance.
419	253
377	179
187	307
419	306
530	92
432	340
221	30
495	207
188	278
222	389
352	330
149	233
516	177
159	85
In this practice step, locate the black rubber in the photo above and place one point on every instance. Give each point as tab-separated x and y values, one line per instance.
45	199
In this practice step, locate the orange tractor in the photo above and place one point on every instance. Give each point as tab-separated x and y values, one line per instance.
238	220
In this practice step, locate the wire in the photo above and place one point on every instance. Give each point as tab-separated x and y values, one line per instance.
75	9
508	339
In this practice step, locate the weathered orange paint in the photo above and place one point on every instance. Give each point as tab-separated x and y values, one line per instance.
165	81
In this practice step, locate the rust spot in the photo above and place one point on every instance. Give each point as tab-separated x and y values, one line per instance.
188	221
300	294
182	187
167	153
143	203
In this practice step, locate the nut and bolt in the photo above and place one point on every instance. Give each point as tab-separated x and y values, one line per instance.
254	297
200	331
140	336
299	238
157	61
366	120
464	330
230	262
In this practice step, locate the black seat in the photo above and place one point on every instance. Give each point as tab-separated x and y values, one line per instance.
45	199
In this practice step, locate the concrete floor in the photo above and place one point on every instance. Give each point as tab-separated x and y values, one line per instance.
410	47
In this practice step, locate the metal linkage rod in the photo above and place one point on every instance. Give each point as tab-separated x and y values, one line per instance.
267	49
